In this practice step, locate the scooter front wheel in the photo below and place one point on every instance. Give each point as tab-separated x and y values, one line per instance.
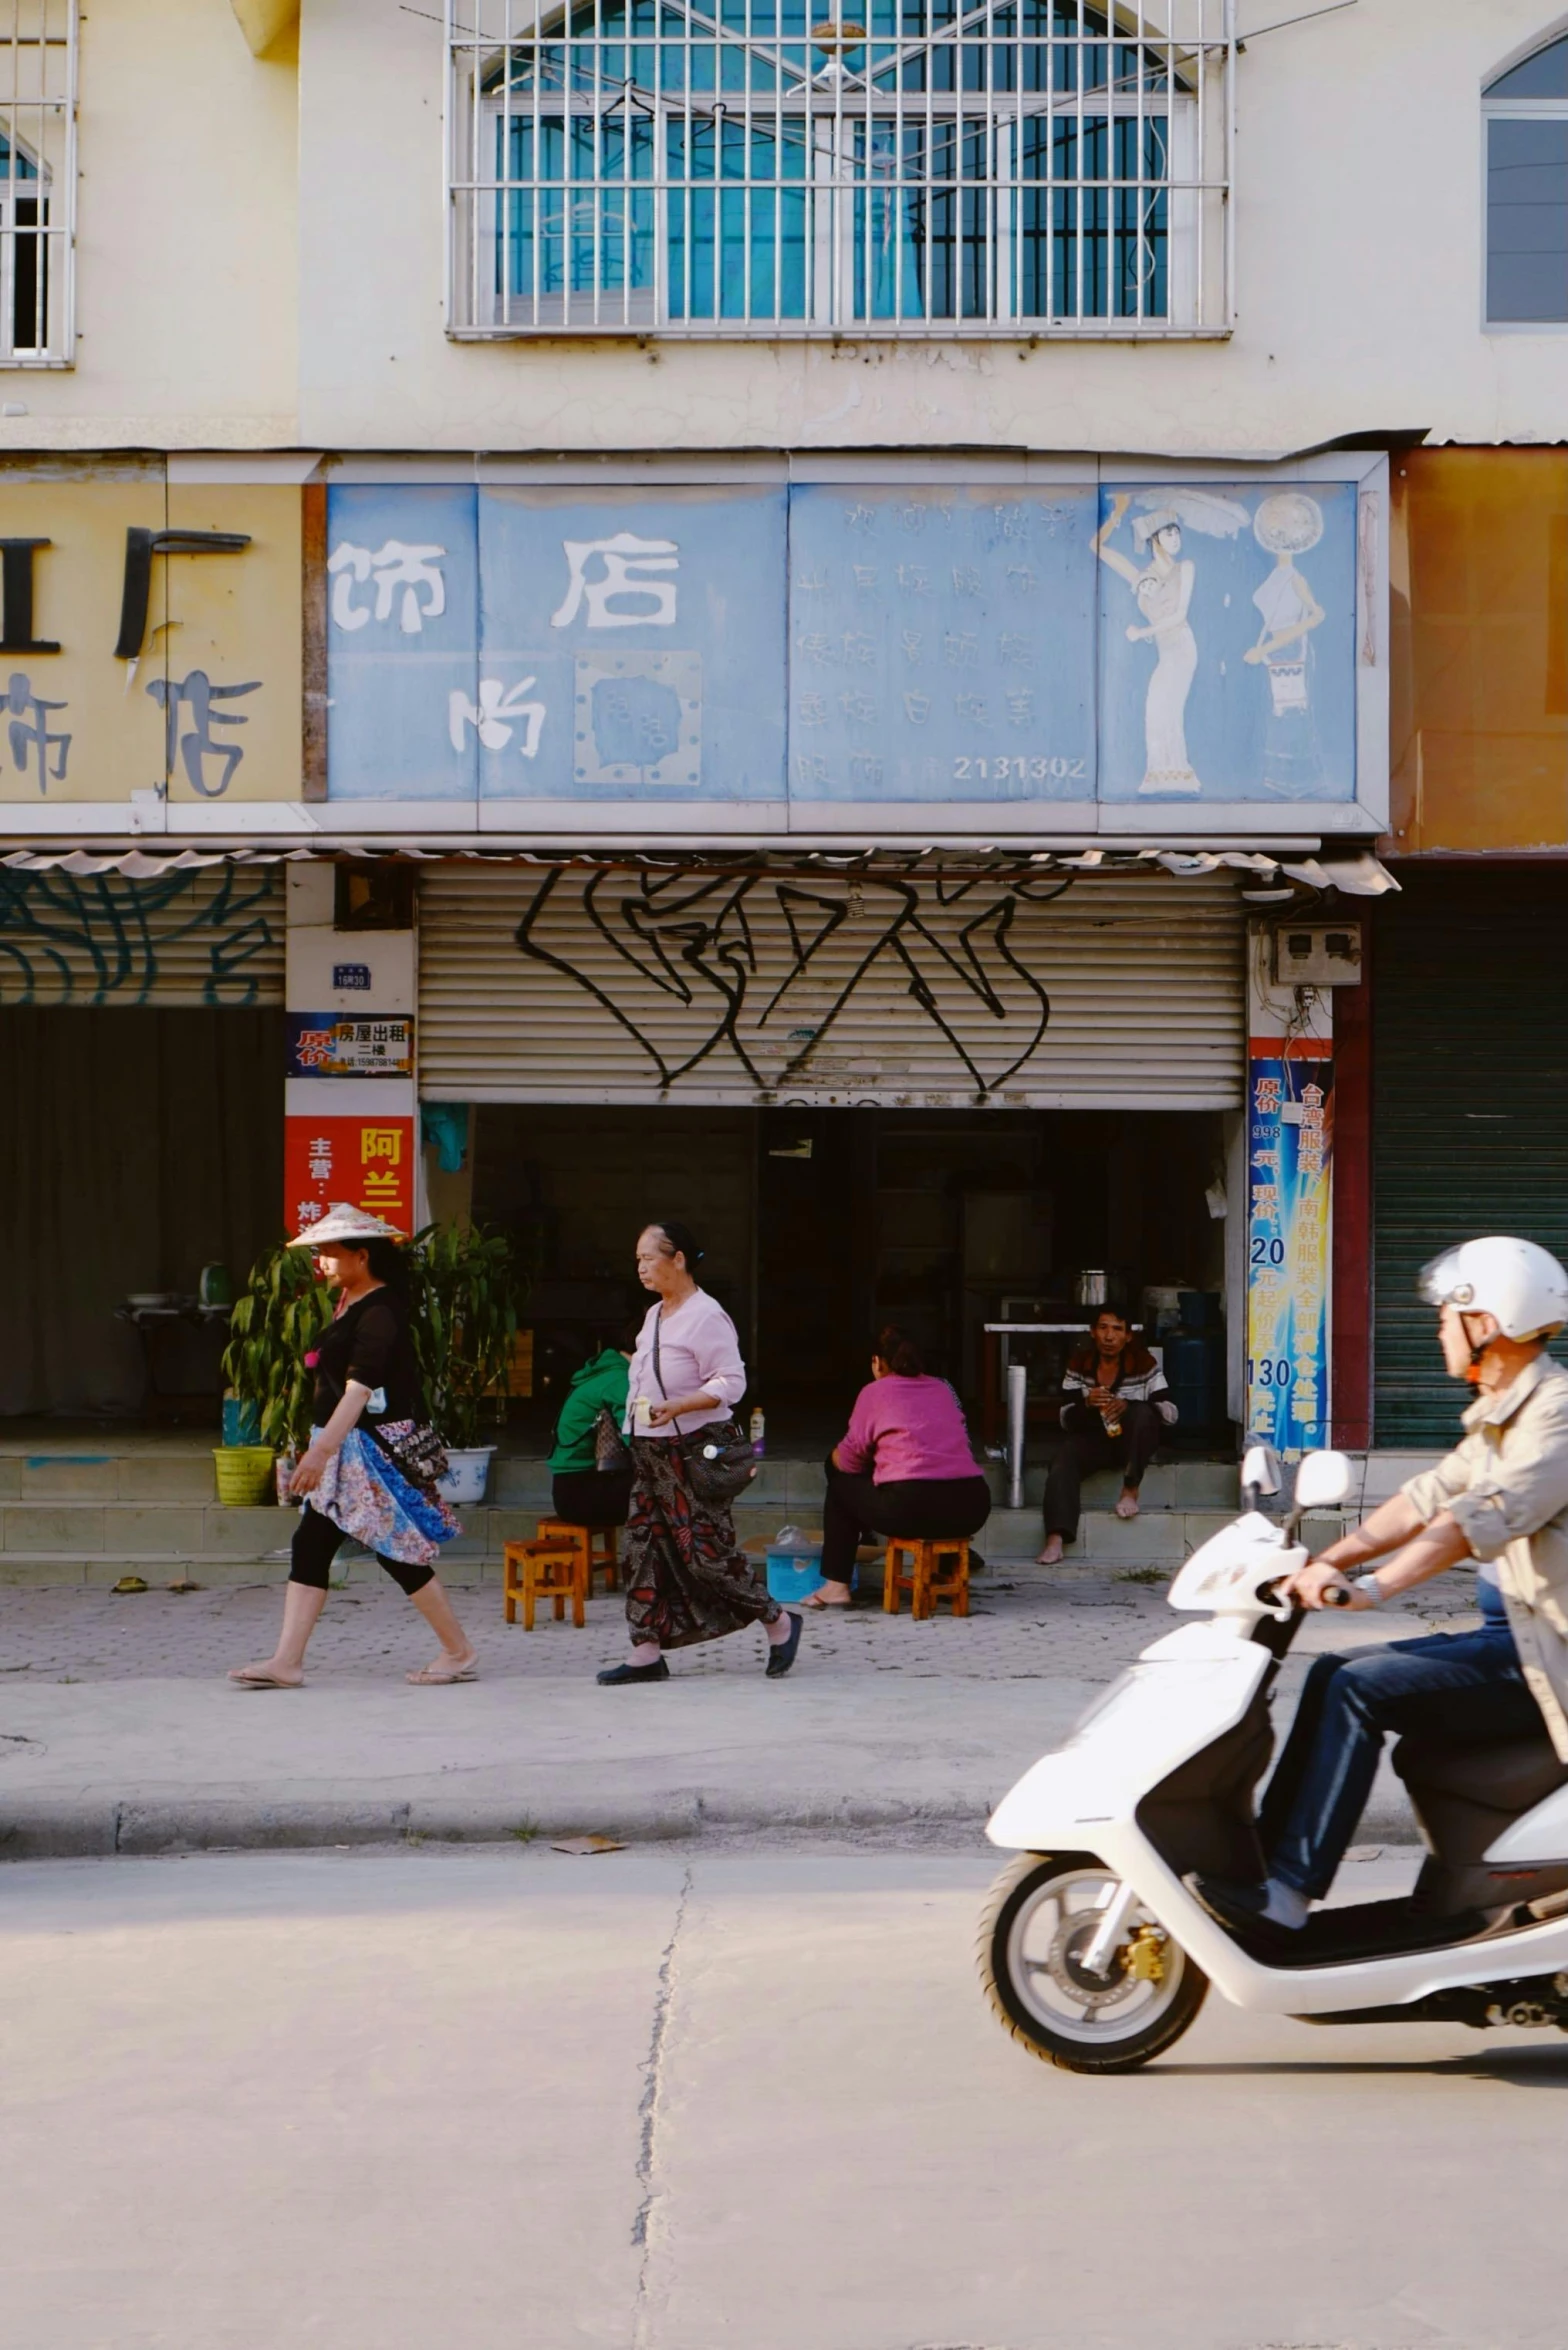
1038	1923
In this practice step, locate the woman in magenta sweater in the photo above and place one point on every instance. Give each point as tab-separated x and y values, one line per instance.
904	1466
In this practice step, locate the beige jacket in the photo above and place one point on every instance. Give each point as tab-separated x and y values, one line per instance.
1507	1486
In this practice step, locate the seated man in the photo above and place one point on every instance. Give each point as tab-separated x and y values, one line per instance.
1501	1498
1116	1411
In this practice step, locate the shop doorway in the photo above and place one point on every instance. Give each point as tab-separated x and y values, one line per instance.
823	1224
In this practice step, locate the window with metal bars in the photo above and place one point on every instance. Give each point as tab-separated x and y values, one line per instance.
767	166
37	181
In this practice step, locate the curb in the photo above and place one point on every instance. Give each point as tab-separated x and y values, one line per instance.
101	1826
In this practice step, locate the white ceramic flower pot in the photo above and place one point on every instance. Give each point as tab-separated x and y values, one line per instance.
467	1474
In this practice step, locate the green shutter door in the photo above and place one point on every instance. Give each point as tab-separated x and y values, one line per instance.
1470	1103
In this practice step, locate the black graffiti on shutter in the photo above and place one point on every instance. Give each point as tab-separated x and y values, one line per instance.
692	938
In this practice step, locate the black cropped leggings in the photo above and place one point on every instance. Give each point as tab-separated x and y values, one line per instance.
316	1544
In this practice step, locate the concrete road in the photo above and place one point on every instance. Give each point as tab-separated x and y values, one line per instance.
692	2099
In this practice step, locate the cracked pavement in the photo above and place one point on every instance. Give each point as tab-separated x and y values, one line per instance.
711	2098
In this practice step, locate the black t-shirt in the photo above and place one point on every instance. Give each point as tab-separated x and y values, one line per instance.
369	1341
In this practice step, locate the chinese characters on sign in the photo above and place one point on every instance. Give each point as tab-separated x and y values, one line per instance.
332	1044
924	644
1289	1154
942	645
367	1161
150	638
511	644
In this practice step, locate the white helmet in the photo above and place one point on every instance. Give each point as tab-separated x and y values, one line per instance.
1522	1285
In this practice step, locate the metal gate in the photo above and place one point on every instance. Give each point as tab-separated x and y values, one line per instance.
1470	1108
1013	990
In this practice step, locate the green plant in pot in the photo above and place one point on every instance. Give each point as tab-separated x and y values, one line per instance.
280	1315
466	1290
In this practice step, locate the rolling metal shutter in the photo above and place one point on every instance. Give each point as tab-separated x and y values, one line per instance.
1470	1110
766	987
212	937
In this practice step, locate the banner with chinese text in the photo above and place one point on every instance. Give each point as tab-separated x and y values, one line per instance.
366	1161
1290	1125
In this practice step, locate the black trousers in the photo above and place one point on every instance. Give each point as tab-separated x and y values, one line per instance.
316	1544
591	1497
1087	1447
855	1507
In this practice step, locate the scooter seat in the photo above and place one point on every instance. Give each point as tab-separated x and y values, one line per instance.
1510	1778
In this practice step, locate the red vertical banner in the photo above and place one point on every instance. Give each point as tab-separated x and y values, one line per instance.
368	1162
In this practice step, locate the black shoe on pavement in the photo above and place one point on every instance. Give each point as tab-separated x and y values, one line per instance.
618	1676
1239	1909
781	1654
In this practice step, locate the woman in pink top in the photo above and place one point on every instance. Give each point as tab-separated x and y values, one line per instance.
904	1466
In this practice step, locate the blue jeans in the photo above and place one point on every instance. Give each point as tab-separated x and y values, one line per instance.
1462	1687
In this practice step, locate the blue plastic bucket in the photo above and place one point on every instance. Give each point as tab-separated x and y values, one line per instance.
794	1574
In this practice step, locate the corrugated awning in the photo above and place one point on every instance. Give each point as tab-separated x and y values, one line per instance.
1357	875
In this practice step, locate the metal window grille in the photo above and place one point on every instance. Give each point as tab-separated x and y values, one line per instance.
37	182
799	167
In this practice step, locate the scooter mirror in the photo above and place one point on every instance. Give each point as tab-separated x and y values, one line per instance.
1322	1481
1259	1469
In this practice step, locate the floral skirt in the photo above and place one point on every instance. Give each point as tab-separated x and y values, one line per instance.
362	1492
687	1580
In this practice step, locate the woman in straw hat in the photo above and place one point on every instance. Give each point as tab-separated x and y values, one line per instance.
362	1474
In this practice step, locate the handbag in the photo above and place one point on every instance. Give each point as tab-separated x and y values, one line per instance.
415	1451
718	1459
611	1452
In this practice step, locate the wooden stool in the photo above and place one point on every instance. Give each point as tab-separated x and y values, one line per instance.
596	1550
938	1569
546	1569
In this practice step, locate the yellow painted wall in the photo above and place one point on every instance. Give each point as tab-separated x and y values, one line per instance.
1480	719
232	618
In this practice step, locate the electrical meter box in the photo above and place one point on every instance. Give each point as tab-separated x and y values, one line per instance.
1317	954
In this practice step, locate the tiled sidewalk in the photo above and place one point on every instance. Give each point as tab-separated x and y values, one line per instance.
1080	1622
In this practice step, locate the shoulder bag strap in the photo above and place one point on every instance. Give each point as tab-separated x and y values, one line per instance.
658	1316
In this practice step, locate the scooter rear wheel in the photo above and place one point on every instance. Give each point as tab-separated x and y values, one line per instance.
1039	1917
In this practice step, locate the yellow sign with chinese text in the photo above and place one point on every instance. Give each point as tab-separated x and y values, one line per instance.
150	639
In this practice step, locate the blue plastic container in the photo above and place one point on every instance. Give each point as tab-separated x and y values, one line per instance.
241	1421
794	1574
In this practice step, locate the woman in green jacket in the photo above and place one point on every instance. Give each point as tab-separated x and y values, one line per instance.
581	1493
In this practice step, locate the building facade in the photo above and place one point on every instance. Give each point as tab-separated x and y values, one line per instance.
815	614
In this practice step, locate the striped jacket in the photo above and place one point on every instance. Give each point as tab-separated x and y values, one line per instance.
1139	1379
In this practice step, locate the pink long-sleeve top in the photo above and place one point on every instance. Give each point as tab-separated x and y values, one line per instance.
699	1354
907	1428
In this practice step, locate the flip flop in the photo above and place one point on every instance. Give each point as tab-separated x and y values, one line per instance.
821	1606
252	1679
443	1676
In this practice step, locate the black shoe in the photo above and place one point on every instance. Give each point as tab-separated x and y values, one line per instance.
1239	1909
781	1654
618	1676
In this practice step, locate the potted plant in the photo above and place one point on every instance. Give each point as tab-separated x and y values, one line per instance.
466	1285
278	1319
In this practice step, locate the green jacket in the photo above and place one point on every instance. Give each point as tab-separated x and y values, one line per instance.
603	1381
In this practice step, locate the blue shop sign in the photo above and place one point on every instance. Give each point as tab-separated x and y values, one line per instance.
1104	654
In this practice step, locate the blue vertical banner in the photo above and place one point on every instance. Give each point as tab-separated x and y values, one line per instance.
941	644
1290	1128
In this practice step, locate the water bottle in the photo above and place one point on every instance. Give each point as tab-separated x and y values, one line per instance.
759	1430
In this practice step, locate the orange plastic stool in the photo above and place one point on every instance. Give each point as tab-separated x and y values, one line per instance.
938	1569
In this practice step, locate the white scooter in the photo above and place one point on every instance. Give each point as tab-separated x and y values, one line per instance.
1094	1952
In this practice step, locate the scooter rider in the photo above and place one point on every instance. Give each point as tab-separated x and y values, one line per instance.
1501	1498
